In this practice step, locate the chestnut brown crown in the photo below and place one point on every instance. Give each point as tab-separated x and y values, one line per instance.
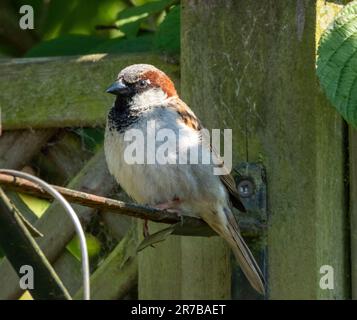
140	77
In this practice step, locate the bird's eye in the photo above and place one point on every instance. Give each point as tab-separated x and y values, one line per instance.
142	83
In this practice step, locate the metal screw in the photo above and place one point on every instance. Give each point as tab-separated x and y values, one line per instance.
245	188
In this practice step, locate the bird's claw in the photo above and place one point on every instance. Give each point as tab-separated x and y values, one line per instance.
146	232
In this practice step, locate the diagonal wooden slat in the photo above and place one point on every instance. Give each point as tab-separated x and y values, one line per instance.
59	162
18	147
117	275
63	158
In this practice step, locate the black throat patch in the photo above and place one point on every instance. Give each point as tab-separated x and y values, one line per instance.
121	116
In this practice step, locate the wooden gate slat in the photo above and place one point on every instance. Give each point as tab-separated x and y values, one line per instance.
63	91
18	147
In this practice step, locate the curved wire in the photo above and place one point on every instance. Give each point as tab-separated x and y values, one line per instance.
68	208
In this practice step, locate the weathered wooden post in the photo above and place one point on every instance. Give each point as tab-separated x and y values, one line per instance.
250	66
353	209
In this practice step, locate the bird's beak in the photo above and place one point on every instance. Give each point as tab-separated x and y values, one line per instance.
118	88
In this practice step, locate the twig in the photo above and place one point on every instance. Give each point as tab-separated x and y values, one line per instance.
190	225
91	200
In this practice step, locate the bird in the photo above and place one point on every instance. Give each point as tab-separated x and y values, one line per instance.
146	99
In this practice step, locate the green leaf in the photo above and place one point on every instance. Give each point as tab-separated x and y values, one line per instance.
146	9
91	137
130	26
93	245
65	45
6	50
79	16
337	63
167	38
79	44
140	2
131	18
36	205
142	43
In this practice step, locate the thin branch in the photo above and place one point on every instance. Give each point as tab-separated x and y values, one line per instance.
190	225
91	200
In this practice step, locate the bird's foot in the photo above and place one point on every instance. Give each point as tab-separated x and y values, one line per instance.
169	206
146	232
172	207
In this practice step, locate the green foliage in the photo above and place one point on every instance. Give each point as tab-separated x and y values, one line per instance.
79	16
65	45
142	43
93	245
130	19
167	37
73	27
337	63
92	138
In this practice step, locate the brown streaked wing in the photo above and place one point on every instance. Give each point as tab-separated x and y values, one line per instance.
190	119
230	184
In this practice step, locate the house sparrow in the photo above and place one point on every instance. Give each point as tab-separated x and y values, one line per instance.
145	96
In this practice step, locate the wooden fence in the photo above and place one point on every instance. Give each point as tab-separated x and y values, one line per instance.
245	65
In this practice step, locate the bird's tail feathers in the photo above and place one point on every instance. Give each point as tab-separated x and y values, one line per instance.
229	230
246	261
